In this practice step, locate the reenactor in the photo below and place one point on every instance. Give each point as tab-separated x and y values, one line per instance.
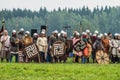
78	49
5	40
42	46
21	46
53	38
35	36
114	44
14	46
97	46
27	40
105	42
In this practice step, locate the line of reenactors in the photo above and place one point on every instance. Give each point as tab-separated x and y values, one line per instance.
81	47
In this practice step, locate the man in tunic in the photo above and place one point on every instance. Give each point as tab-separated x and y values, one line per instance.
105	42
63	38
5	40
81	46
114	44
14	46
97	46
21	45
88	36
42	46
52	40
27	40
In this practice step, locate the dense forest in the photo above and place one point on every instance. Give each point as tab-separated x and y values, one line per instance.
102	19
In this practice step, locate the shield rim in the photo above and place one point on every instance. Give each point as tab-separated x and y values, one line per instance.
101	53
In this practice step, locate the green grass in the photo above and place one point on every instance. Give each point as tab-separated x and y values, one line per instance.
59	71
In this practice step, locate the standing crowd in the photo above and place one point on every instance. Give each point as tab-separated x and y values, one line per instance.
84	46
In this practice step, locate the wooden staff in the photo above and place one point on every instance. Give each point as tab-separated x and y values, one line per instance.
81	27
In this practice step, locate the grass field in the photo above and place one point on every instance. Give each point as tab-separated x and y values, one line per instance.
59	71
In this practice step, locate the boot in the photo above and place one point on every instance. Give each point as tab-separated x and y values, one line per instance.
7	60
113	59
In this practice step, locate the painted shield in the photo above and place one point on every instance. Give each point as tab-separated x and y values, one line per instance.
58	48
102	57
31	51
79	46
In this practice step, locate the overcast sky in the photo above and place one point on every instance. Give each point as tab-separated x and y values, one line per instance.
51	4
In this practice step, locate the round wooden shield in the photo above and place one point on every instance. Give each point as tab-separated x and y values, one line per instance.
89	49
102	57
58	48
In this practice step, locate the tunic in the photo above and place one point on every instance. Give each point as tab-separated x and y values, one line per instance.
105	43
118	49
114	44
5	46
42	44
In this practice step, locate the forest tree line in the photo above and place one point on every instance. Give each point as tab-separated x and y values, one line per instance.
102	19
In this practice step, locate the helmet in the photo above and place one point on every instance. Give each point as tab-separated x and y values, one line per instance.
105	34
87	31
116	34
35	34
21	29
78	34
55	31
99	36
14	31
43	31
84	33
62	32
27	32
96	32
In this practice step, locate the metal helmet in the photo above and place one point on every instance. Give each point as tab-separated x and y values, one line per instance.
22	29
13	31
27	32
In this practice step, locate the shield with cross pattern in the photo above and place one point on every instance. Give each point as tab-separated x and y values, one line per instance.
31	51
58	48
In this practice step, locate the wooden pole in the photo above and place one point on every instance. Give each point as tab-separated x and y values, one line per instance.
80	27
3	24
